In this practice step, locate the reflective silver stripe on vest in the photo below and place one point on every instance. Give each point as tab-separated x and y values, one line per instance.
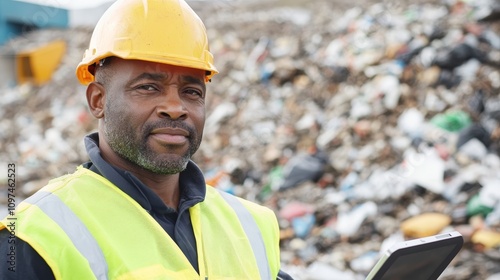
74	228
253	233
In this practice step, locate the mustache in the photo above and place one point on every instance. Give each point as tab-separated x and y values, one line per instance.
167	123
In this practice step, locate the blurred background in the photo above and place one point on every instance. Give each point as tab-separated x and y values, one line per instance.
360	123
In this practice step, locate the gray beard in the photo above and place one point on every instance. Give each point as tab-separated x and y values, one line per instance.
123	141
142	156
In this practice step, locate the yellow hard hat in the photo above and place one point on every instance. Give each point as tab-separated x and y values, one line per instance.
163	31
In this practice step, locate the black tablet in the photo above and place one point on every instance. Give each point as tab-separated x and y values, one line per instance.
418	259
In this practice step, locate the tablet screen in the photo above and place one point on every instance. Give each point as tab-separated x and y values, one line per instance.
418	259
417	266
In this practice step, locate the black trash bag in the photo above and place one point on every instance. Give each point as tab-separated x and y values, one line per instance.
476	131
458	55
302	168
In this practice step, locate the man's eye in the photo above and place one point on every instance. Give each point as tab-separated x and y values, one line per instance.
194	92
147	87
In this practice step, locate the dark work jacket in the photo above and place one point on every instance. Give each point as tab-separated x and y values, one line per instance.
30	265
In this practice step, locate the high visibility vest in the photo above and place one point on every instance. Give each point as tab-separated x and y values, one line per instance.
85	227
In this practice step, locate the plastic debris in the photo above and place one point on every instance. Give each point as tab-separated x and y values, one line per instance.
295	209
426	224
302	168
400	98
303	225
349	222
487	238
452	121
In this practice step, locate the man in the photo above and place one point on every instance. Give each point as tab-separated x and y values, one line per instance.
139	209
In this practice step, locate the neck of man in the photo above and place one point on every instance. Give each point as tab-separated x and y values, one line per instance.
165	186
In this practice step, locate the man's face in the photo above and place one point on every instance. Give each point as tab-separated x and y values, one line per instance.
154	114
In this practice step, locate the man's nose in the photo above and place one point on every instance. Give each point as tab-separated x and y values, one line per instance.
171	105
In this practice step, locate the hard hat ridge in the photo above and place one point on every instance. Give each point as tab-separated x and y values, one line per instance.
163	31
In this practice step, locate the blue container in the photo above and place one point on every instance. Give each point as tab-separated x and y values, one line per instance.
17	17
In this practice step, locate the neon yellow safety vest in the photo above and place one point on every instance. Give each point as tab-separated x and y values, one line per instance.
85	227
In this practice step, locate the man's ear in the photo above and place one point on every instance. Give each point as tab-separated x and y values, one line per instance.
96	99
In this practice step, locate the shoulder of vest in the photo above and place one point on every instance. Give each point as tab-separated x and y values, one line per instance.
64	179
80	172
60	182
258	211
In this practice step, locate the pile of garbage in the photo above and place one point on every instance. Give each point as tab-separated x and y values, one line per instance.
360	126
